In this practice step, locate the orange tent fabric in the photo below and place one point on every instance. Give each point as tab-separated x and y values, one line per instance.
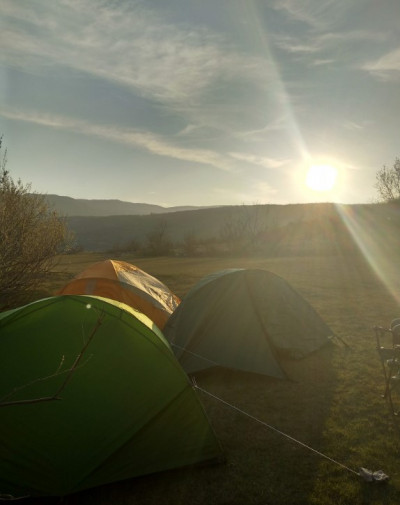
126	283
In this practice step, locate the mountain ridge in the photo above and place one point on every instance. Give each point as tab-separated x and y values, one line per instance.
68	206
104	225
277	223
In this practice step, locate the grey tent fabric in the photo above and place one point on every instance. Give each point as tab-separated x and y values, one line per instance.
244	319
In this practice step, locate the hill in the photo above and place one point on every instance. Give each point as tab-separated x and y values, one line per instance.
107	232
68	206
268	229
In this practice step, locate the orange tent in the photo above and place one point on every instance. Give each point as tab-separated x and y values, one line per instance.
126	283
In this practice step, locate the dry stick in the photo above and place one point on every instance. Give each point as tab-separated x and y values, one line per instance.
71	371
40	379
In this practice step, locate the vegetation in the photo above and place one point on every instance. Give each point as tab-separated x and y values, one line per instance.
31	236
242	229
344	262
333	403
158	242
388	182
235	230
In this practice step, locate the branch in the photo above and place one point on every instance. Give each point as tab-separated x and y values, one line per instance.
70	372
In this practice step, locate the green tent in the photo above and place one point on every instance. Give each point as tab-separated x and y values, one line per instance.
244	319
128	409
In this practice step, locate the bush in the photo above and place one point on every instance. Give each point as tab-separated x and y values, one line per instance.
31	236
388	182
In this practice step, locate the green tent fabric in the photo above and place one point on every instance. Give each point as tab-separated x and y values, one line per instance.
128	410
244	319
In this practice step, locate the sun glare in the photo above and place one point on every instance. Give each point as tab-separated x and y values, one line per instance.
321	177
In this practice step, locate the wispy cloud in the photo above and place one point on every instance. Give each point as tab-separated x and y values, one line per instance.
355	125
314	13
277	125
131	45
260	160
295	45
319	63
143	140
327	43
385	67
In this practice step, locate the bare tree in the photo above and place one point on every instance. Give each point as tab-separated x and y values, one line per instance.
242	228
388	182
31	235
158	241
190	244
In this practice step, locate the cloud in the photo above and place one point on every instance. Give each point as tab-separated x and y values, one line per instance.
188	130
326	16
314	43
279	125
128	44
135	138
144	140
319	63
260	160
314	13
385	67
198	75
294	45
195	133
355	126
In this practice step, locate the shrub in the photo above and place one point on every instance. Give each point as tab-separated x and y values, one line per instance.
31	236
388	182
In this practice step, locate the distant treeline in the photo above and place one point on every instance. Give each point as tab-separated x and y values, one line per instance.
257	229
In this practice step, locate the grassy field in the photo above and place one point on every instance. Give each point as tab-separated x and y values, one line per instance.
333	403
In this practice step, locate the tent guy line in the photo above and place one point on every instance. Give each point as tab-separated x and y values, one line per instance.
195	354
365	474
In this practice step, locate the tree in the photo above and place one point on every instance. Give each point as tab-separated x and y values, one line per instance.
158	242
190	244
388	182
31	236
242	229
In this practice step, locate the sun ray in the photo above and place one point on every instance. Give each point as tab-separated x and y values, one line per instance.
276	84
375	243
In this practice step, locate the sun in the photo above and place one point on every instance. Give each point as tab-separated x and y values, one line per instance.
321	177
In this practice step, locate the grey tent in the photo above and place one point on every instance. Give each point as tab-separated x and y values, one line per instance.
244	319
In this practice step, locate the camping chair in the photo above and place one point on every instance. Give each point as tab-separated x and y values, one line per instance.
390	360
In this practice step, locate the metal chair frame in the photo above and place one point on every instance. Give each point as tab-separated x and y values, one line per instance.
390	360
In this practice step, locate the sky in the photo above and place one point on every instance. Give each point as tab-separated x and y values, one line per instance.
200	102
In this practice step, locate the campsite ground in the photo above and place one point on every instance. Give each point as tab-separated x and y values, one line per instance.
332	403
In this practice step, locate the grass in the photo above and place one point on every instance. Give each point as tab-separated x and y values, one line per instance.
333	403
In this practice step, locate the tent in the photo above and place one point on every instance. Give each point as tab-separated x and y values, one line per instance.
244	319
125	283
126	409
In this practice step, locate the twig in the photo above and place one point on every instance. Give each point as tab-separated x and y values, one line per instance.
40	379
70	372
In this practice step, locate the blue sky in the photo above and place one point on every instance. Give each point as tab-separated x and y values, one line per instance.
200	102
